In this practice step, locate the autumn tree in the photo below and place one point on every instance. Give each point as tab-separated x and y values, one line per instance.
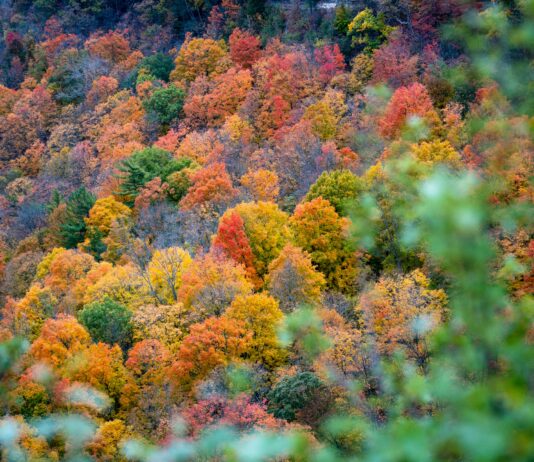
200	57
239	413
244	48
262	184
368	30
405	104
209	186
60	339
330	60
112	46
261	315
232	241
211	283
215	342
401	311
165	272
320	231
266	228
293	280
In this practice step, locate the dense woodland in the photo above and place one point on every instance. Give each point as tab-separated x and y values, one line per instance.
251	231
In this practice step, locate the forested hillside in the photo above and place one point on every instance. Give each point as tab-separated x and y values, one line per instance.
254	231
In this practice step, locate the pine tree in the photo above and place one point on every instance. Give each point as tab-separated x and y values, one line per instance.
78	206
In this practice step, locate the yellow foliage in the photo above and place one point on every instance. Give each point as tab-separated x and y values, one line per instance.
261	315
262	184
165	272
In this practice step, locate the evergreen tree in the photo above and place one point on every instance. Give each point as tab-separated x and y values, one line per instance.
78	206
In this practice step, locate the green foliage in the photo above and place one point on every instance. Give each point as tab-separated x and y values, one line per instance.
108	322
159	65
292	394
143	166
78	205
338	187
165	104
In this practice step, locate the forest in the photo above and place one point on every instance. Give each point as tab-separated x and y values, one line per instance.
248	230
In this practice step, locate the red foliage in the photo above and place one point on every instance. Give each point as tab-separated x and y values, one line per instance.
210	185
405	103
394	65
232	240
239	413
244	48
331	62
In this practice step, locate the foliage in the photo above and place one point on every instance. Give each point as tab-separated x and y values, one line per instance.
108	322
339	187
165	104
368	31
73	229
143	166
293	280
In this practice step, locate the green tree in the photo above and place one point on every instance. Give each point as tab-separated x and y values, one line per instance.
337	187
165	104
293	393
108	322
159	65
143	166
74	228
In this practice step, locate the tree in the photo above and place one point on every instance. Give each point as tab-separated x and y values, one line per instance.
244	48
108	322
60	339
330	60
111	46
239	413
435	152
232	241
261	315
200	57
294	393
211	283
165	272
406	103
159	65
61	269
74	227
104	213
212	343
210	186
368	31
266	228
400	312
293	280
320	231
338	187
262	184
394	65
143	166
165	104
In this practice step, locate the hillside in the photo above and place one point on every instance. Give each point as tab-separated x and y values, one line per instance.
255	231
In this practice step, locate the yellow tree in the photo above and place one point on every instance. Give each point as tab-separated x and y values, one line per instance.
211	283
200	56
293	280
320	231
261	315
165	272
400	311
